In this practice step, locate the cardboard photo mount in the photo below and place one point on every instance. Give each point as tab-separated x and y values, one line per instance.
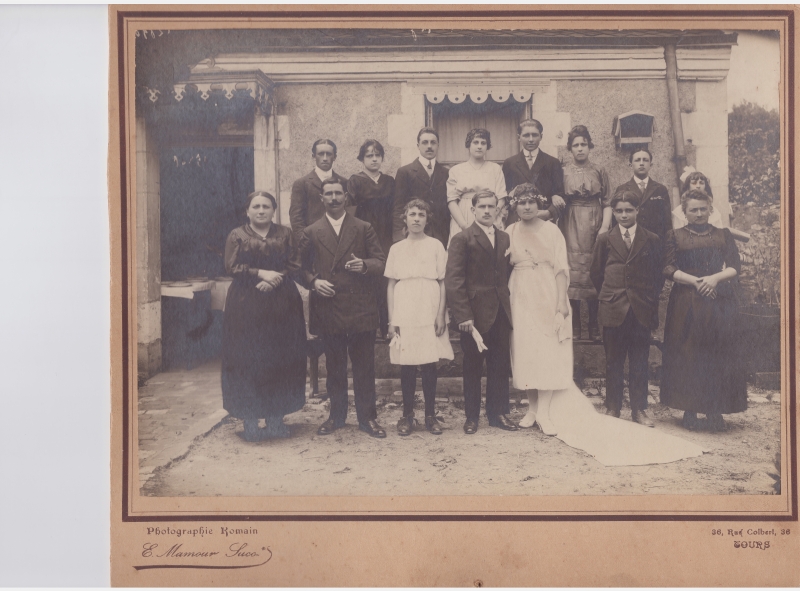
579	540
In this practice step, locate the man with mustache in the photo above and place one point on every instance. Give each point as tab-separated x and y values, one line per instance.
306	206
341	257
425	179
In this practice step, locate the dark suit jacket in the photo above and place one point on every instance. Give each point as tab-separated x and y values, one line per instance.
627	280
354	307
655	212
306	206
476	279
546	173
412	181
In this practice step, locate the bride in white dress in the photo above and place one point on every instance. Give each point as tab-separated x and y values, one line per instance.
541	351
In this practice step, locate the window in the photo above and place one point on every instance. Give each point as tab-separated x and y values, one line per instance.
454	120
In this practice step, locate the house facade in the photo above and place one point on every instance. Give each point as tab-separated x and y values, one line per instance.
222	113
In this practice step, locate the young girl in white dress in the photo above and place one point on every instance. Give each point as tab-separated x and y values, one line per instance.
415	268
470	177
541	351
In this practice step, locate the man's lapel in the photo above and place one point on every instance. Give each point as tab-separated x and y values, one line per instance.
638	242
483	239
421	173
347	233
327	236
617	243
313	179
439	171
521	165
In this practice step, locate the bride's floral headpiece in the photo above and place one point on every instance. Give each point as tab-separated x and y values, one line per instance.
527	191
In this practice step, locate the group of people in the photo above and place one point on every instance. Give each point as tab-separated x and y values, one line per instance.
393	256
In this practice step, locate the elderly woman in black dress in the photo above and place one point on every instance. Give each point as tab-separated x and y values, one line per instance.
372	192
264	335
702	371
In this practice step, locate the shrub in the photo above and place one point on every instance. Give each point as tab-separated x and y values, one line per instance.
754	154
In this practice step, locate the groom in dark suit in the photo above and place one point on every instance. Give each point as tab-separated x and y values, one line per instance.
533	166
655	212
341	257
627	272
424	179
476	281
306	206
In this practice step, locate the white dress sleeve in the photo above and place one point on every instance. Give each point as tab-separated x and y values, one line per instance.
390	270
453	190
560	261
441	259
499	182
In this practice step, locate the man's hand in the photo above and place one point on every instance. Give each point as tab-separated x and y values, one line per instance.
466	326
559	202
355	264
324	288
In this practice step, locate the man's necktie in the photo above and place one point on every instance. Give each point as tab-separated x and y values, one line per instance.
627	238
642	186
529	159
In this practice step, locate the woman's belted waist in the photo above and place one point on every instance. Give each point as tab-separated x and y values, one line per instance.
585	200
528	265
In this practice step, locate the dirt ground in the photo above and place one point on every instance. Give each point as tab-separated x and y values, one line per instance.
491	462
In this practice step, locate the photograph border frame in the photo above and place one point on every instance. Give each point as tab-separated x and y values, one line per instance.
122	257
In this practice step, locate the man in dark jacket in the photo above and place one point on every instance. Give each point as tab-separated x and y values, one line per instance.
627	273
341	257
425	179
476	281
306	206
655	212
533	166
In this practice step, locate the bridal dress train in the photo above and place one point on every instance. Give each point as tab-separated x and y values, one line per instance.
542	358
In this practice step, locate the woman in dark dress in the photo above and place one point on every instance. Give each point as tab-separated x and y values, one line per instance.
372	192
264	334
702	371
587	215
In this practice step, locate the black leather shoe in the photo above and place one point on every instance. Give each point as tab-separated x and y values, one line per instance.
432	425
470	427
373	429
610	412
329	427
405	426
502	422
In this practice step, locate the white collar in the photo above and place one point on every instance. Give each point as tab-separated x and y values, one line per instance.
424	161
336	223
533	154
631	231
489	231
639	181
322	174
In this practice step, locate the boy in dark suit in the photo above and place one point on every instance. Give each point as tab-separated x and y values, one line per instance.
306	207
533	166
627	273
341	257
425	179
655	212
476	282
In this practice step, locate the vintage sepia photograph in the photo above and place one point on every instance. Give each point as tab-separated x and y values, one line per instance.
383	261
456	280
